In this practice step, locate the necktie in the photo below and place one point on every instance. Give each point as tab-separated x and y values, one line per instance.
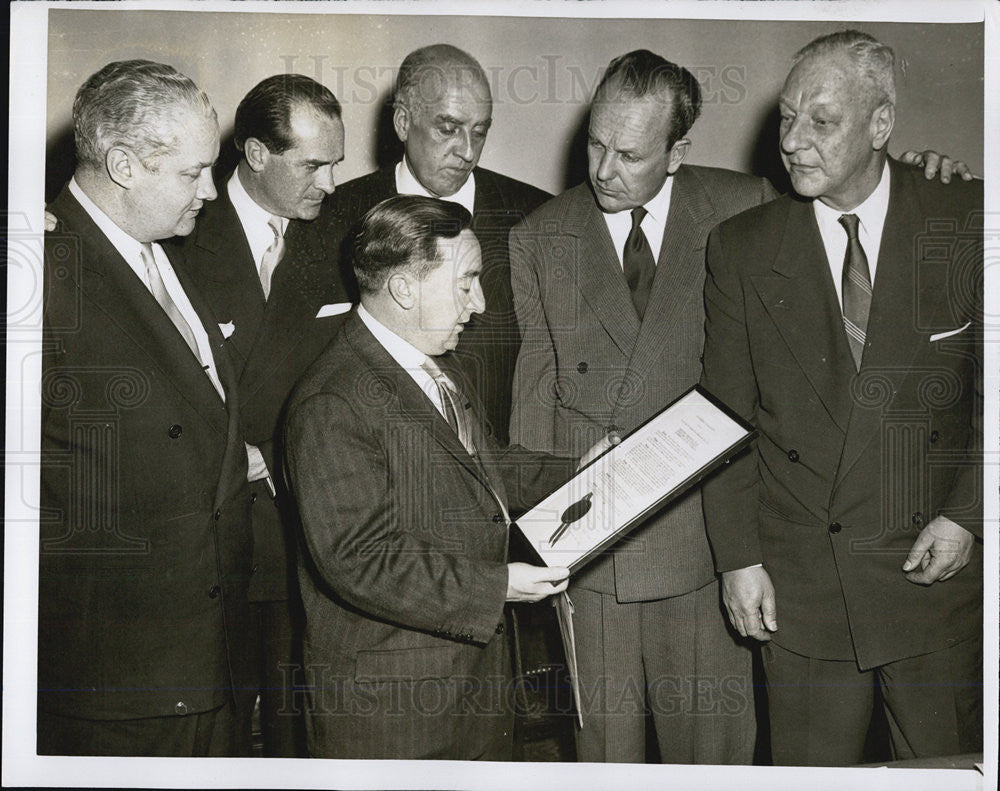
159	291
856	286
454	405
272	255
638	262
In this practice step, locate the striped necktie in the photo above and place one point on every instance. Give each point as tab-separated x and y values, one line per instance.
856	286
455	405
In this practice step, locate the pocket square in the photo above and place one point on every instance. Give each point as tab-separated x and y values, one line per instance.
948	334
334	309
227	329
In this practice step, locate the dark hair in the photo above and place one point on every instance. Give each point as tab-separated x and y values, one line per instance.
401	233
133	103
644	73
422	70
266	111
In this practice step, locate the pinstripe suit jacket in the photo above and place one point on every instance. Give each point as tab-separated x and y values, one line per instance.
587	363
403	574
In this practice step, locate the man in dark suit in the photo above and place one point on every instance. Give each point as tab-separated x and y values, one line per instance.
145	540
845	322
272	280
442	113
404	501
609	339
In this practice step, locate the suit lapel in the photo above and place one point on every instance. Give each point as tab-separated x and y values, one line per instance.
800	298
680	268
111	285
220	234
599	273
412	402
891	342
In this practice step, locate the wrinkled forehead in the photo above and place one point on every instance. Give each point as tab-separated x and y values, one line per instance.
436	83
831	78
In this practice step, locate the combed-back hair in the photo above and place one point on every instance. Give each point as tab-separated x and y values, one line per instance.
266	111
874	60
401	233
643	73
133	103
424	70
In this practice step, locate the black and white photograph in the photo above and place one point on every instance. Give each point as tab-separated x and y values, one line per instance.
309	303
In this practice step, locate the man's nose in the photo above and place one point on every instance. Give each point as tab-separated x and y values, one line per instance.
324	179
464	149
606	166
477	301
206	187
794	137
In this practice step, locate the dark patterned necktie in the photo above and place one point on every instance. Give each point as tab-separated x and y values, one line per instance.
639	264
856	287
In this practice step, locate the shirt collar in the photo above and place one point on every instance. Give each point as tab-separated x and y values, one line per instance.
407	184
658	206
402	351
871	211
128	248
251	213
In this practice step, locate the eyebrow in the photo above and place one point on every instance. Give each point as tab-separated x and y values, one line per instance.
450	119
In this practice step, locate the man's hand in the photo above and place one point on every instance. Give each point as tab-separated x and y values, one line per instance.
533	583
935	164
50	221
749	598
942	549
603	444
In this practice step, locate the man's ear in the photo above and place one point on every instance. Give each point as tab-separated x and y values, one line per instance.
401	122
256	154
883	119
677	153
401	288
118	161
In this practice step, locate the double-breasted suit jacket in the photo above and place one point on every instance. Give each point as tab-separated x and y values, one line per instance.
404	571
487	350
851	465
274	342
145	549
587	363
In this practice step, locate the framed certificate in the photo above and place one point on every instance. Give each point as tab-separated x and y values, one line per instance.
654	464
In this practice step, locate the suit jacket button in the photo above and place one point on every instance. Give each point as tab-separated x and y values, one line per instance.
180	708
255	567
835	527
917	518
500	628
793	456
934	437
253	497
214	591
217	516
497	518
174	431
582	368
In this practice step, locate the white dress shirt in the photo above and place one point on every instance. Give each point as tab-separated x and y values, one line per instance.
653	224
871	219
254	219
409	357
407	184
131	250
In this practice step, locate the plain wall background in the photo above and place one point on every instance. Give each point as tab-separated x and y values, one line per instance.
542	73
